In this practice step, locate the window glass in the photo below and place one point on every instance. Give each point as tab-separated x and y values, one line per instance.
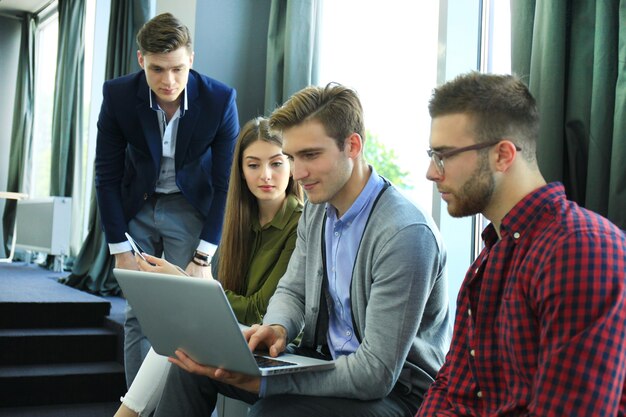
46	45
89	74
387	52
497	28
46	39
394	53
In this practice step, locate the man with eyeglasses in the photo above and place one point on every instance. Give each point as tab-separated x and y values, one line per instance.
540	327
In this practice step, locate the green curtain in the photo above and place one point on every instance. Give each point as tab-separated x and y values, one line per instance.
92	270
572	54
67	114
67	144
22	132
292	49
127	17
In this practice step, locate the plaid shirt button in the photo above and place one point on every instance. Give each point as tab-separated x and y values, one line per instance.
479	394
473	352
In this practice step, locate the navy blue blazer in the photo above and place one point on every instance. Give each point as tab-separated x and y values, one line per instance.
129	148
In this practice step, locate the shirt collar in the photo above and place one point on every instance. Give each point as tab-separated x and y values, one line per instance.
371	189
521	217
282	217
155	106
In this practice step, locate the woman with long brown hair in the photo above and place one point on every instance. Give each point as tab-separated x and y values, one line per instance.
259	234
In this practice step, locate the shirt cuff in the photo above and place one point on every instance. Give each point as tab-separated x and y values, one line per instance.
206	247
263	387
115	248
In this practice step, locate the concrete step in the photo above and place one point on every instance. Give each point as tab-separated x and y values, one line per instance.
65	383
57	345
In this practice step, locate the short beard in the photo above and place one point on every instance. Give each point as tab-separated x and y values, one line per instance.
475	195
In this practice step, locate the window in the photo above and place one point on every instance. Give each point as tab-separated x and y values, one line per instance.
387	52
91	61
46	44
394	53
496	48
46	39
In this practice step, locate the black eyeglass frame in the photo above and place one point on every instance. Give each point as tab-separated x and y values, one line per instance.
438	157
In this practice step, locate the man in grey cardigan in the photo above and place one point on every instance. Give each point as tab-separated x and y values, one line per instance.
365	285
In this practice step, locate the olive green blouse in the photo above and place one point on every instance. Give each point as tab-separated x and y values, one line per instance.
272	246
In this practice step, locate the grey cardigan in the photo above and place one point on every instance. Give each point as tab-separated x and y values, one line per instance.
399	304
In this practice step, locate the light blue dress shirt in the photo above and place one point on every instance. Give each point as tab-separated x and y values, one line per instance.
342	239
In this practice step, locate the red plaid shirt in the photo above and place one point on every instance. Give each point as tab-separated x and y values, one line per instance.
540	327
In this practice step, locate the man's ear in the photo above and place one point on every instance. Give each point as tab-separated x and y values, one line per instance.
505	155
354	145
140	58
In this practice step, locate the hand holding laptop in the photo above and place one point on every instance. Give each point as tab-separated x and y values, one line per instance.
273	338
246	382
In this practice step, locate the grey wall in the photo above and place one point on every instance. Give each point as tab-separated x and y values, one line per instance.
10	35
230	45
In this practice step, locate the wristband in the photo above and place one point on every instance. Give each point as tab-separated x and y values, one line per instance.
203	264
201	256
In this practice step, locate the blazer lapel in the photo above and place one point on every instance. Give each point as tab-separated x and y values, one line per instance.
152	133
187	123
149	122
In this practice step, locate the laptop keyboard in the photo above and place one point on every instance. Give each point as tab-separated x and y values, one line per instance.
264	362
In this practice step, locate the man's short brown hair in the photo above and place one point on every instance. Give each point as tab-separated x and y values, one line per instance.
500	106
162	34
336	107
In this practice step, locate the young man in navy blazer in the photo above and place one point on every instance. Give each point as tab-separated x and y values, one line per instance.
165	143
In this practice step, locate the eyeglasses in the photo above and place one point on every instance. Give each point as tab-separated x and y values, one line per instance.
438	157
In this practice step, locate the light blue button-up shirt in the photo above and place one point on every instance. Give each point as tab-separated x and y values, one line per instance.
342	238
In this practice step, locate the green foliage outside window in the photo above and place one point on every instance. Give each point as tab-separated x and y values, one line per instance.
383	160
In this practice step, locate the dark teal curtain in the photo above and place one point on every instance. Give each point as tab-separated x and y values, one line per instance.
292	49
122	47
92	270
67	142
22	132
67	114
572	55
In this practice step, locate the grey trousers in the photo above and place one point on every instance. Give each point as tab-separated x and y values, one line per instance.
192	395
167	226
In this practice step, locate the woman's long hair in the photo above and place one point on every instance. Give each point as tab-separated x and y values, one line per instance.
241	208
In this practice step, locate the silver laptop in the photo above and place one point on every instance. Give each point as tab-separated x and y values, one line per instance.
194	315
